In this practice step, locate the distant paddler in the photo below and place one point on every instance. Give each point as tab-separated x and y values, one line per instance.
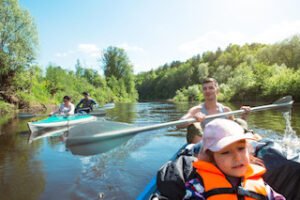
66	108
86	104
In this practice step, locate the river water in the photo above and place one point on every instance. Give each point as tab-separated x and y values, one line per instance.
47	169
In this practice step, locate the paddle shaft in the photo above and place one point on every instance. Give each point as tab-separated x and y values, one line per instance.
178	122
103	109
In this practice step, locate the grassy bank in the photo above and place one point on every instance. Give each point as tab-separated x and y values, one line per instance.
6	108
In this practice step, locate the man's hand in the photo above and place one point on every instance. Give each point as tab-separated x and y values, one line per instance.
247	110
199	116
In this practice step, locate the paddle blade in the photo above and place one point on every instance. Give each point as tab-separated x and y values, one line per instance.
96	132
286	99
30	115
286	103
98	146
46	132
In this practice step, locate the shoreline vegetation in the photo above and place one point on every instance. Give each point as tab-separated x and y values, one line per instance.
249	72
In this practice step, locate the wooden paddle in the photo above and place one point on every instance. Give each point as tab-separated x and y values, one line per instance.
283	104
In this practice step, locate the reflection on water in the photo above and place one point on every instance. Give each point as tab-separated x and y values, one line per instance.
20	171
46	169
123	112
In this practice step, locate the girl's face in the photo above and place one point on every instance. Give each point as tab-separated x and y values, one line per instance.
233	160
66	101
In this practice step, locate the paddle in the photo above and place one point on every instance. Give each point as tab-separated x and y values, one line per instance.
46	132
284	103
30	115
100	111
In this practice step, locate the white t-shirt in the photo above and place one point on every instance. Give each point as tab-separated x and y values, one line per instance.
66	109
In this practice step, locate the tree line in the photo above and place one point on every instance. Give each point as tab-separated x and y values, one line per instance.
245	72
24	84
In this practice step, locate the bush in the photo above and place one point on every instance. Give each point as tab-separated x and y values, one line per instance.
5	108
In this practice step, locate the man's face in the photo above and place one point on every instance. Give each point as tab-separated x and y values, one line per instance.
210	91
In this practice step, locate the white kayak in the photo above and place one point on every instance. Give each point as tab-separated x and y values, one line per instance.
60	121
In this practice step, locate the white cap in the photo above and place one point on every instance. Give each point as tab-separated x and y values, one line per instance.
220	133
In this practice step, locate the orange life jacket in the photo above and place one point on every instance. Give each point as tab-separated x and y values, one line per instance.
217	187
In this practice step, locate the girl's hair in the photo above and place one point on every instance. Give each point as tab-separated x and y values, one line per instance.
67	98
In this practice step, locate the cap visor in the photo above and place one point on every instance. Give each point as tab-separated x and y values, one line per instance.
224	142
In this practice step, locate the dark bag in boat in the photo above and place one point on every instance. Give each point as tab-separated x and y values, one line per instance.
172	176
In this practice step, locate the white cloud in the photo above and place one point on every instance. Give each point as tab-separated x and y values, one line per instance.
211	41
64	54
128	47
214	39
279	32
89	49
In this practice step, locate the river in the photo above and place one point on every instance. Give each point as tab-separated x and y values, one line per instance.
46	169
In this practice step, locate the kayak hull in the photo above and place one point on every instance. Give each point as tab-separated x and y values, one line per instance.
60	121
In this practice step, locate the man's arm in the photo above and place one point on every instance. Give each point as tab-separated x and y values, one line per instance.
194	112
78	105
93	102
227	109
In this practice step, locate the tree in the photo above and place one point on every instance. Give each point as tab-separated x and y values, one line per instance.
18	41
56	78
79	69
117	65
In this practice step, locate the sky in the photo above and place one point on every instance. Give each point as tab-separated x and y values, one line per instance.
154	32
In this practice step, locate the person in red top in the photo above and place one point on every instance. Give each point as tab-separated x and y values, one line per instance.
224	169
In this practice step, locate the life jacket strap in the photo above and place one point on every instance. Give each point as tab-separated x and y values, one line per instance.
237	190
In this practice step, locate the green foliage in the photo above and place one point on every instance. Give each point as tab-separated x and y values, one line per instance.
247	72
250	71
19	41
242	81
180	96
192	93
116	63
286	52
226	93
165	81
24	84
119	74
5	108
56	78
285	81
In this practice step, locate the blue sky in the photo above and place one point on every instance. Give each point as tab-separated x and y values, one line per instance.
154	32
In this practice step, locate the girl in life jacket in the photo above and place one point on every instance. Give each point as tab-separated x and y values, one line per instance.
224	169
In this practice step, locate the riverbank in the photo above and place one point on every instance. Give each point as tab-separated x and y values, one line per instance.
10	109
6	108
